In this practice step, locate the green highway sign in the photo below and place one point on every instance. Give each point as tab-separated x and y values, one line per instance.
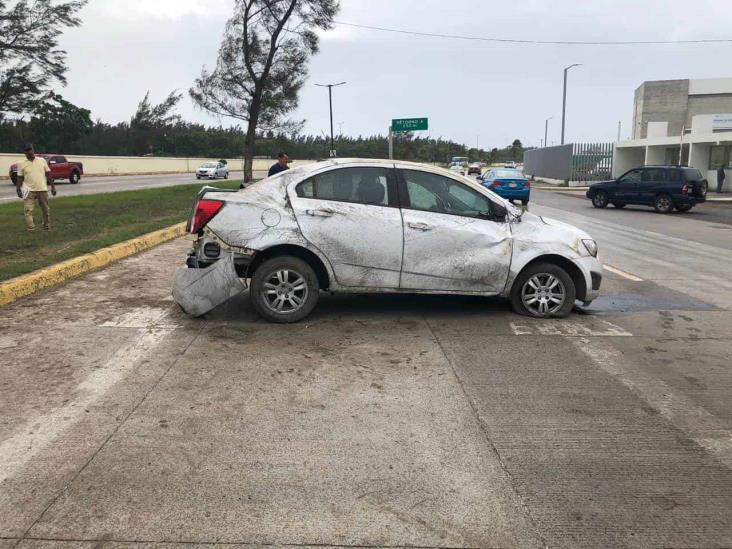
408	124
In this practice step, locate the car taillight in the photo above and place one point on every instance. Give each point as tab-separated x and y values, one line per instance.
527	184
685	189
495	184
205	211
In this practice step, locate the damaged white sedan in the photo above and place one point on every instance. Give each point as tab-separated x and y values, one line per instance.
378	226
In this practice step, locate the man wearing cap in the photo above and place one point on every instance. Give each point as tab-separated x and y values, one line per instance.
35	174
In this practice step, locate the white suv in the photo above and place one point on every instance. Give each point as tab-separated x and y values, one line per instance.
378	226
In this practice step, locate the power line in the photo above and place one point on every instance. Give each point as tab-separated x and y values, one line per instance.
543	42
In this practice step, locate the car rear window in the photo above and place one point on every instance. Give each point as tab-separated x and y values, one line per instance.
692	174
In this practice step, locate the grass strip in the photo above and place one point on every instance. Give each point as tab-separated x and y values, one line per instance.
82	224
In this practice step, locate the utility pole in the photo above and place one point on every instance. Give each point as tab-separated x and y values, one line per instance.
564	96
330	103
619	125
546	128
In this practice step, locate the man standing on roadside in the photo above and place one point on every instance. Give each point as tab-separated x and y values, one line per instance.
35	174
720	178
281	166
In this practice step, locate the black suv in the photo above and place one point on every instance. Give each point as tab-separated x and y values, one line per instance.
663	187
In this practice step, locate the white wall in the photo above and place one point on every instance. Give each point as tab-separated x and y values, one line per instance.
626	158
655	155
129	165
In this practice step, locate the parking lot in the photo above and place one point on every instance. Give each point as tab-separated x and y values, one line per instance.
380	421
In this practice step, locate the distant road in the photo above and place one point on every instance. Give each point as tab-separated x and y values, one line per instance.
94	185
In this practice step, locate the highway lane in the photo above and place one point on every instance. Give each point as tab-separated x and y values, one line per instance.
107	184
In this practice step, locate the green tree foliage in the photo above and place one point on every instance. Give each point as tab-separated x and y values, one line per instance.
56	122
30	59
262	64
150	122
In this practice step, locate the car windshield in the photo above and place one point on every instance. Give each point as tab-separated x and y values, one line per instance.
209	165
510	174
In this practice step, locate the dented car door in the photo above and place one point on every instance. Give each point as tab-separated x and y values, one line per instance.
352	216
451	240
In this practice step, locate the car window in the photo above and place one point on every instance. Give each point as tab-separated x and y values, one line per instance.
59	159
633	176
674	175
692	174
361	185
435	193
653	175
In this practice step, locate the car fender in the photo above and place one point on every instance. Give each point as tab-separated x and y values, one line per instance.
535	237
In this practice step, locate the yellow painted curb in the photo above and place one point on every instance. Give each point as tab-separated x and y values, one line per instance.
24	285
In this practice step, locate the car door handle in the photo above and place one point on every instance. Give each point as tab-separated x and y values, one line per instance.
419	226
321	212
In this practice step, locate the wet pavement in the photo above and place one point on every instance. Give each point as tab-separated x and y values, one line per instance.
381	421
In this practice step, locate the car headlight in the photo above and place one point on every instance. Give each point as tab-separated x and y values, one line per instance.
591	246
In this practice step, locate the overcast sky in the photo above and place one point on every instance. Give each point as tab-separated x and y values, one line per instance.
489	92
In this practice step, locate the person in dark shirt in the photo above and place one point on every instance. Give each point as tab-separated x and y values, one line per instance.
281	166
720	178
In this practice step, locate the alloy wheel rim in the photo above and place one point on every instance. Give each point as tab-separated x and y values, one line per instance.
599	199
285	291
664	203
543	294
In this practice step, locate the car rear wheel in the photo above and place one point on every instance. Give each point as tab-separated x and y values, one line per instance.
663	204
543	290
683	208
284	289
600	200
74	178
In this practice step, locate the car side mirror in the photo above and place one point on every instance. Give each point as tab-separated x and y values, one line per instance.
499	212
479	178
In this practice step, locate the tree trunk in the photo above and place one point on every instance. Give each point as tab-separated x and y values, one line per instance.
249	140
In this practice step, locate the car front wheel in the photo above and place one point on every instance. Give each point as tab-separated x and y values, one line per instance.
543	290
600	200
284	289
663	204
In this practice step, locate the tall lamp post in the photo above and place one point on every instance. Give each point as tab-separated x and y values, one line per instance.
330	103
564	96
546	128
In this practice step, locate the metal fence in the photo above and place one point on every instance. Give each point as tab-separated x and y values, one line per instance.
571	162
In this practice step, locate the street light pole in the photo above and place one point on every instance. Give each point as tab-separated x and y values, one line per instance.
546	128
564	96
330	104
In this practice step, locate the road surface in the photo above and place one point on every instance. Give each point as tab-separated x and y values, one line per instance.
93	185
381	421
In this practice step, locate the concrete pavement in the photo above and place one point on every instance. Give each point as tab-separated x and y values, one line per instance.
382	420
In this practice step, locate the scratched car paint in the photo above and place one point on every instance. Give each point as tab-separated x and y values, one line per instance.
383	241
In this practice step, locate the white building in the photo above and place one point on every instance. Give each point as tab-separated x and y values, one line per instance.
685	122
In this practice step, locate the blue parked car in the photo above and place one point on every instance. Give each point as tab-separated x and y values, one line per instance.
507	183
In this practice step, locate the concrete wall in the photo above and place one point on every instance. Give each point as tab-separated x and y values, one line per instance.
124	165
549	162
655	155
661	101
708	104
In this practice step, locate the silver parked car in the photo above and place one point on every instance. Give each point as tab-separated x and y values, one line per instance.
213	170
378	226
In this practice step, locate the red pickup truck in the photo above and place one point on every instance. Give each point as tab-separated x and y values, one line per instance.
61	168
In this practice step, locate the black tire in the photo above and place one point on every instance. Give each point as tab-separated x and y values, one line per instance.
600	200
226	175
683	208
74	178
197	177
663	204
619	205
268	278
525	202
522	291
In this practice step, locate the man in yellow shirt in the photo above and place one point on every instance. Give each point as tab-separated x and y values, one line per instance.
35	174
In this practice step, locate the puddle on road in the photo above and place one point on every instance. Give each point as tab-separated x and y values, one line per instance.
651	298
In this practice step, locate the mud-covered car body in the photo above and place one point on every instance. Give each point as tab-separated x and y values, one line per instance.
388	231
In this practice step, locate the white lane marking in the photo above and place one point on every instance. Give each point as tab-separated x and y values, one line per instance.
569	328
622	273
704	428
40	431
